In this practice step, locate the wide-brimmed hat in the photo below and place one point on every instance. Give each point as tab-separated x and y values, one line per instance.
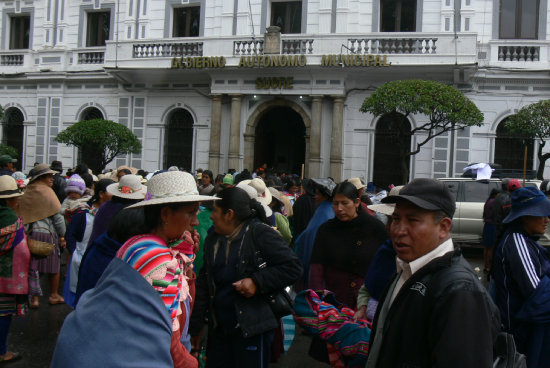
386	208
128	187
253	194
40	170
172	187
325	186
275	194
8	187
428	194
264	195
357	182
57	166
528	202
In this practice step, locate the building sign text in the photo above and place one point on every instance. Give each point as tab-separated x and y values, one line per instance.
274	82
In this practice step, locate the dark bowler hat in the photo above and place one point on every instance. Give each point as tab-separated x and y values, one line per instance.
56	166
429	194
528	202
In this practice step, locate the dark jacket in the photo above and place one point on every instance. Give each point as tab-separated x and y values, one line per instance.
59	185
253	314
441	317
521	271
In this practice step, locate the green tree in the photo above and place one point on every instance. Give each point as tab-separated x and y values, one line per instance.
446	108
533	121
103	140
8	150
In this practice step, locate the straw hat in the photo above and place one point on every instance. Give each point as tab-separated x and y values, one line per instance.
386	208
8	187
128	187
40	170
357	183
171	187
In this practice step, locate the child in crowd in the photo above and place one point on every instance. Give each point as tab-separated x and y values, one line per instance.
75	190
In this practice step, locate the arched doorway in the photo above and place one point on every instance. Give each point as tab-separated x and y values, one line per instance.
510	149
391	144
13	131
178	139
90	155
280	140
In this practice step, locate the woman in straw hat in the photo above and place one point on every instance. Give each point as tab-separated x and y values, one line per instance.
143	299
39	208
14	260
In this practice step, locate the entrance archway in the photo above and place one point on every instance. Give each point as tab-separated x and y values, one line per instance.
510	149
13	131
280	140
90	155
392	141
178	139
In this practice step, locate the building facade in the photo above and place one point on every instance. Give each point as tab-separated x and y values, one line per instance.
212	83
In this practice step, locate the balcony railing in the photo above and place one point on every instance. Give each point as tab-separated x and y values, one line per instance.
12	59
173	49
398	45
96	57
518	53
248	47
297	46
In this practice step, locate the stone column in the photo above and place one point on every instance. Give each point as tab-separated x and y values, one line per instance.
315	137
215	127
235	133
336	159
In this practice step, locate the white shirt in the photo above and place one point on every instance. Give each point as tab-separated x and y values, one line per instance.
408	269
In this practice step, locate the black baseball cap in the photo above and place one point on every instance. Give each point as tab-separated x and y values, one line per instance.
429	194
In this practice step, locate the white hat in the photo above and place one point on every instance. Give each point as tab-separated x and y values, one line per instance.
8	187
386	208
128	187
171	187
253	194
264	195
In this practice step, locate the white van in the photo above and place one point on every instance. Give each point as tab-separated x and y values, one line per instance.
470	198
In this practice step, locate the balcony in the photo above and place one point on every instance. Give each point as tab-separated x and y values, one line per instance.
525	54
400	48
13	58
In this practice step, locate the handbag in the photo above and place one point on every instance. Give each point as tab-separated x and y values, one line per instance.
40	248
280	302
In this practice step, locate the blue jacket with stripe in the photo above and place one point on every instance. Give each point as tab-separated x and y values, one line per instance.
521	271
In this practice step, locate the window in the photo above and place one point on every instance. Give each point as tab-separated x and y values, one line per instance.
519	19
287	15
397	15
20	30
187	21
98	28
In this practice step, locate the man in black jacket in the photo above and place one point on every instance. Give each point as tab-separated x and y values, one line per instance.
59	182
434	312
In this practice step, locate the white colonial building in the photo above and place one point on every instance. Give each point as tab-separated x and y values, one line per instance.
204	83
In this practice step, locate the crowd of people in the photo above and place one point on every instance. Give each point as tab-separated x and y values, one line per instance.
179	269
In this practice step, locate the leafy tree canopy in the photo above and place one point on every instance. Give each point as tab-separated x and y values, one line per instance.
8	150
105	138
533	121
446	107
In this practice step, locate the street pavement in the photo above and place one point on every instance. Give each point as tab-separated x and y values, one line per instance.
35	334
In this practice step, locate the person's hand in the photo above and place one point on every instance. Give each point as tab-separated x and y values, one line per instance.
195	346
196	241
361	313
62	242
246	287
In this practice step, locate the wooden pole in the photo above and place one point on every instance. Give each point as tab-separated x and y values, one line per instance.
524	165
303	168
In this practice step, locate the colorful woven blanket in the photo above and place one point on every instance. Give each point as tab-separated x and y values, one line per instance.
321	314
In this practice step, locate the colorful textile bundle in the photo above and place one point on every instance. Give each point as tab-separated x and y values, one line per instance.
149	255
321	314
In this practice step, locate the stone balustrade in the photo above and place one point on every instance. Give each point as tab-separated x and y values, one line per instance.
12	59
397	45
162	49
518	53
95	57
248	47
297	46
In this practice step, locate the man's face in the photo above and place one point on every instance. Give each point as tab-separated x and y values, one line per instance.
414	232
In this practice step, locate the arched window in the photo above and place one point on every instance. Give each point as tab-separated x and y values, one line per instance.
391	144
510	149
178	140
13	131
90	155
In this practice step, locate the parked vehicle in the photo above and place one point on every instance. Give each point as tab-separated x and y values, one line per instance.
470	197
